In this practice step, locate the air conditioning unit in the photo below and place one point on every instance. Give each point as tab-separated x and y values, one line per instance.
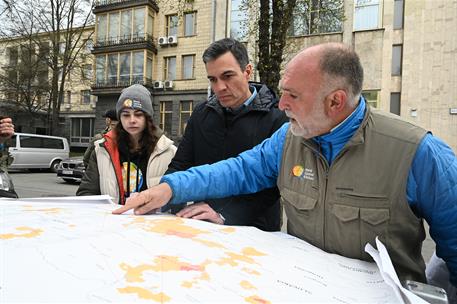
172	39
163	40
158	84
168	84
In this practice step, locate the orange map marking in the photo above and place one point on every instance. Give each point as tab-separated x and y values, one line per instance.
143	293
256	300
27	233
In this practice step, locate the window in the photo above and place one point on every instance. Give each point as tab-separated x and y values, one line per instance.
12	76
319	16
85	96
398	14
121	68
101	27
150	25
396	59
126	23
138	29
166	112
87	71
172	25
13	55
190	23
68	97
60	75
62	46
137	67
185	110
112	68
149	68
372	98
100	69
40	142
124	68
113	26
82	129
238	21
43	53
43	77
395	103
169	71
366	14
188	66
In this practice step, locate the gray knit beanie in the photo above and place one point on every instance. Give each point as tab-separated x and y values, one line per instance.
135	97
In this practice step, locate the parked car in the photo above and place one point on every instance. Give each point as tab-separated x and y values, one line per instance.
71	170
34	151
6	185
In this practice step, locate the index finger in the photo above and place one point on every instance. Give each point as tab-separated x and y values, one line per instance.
132	202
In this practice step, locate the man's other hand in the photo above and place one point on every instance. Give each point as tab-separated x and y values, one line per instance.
147	201
6	128
201	211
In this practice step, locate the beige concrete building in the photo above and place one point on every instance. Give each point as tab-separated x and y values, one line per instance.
408	49
25	86
159	47
409	52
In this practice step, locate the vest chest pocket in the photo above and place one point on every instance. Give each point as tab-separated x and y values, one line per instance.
304	220
349	228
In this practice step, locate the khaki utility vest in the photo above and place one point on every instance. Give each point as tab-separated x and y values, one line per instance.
360	196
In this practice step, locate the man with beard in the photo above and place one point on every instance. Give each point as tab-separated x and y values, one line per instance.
346	173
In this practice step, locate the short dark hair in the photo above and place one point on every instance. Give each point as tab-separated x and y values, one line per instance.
343	62
222	46
111	114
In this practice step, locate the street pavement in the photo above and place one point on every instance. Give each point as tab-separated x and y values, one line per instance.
42	184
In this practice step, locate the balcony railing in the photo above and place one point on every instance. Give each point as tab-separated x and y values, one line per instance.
109	2
122	82
125	39
102	5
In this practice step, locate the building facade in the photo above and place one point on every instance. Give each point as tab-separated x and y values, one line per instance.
25	85
408	49
159	47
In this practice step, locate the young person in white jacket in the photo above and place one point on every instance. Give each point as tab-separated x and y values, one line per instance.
133	156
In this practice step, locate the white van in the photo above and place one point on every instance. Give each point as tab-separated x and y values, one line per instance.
33	151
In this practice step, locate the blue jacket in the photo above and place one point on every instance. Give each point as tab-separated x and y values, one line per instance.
431	189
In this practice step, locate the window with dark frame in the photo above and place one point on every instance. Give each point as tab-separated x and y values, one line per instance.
85	96
397	51
185	110
190	23
395	103
398	14
188	67
166	115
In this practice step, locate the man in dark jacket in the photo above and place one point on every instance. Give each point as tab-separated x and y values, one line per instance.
237	117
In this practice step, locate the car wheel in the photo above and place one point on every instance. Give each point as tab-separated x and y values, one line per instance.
69	180
54	166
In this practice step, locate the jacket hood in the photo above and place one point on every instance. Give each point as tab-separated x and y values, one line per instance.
163	144
265	99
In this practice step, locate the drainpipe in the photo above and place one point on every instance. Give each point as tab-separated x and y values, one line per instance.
213	15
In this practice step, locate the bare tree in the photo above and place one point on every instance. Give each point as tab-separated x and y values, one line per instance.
61	23
276	20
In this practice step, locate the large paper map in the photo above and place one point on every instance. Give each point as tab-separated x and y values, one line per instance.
79	252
